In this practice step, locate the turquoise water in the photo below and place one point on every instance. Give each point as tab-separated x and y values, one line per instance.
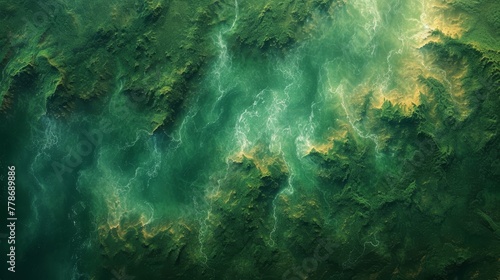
104	175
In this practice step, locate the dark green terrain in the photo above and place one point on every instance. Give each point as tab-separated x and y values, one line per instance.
258	139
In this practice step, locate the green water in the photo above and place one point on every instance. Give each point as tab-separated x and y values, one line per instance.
271	152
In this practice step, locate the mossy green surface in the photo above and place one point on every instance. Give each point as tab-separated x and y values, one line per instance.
240	139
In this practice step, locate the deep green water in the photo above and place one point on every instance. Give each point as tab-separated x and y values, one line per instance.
273	152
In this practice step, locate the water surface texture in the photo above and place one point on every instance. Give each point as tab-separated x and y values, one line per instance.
210	139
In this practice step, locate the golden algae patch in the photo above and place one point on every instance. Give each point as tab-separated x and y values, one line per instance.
438	15
397	79
261	159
